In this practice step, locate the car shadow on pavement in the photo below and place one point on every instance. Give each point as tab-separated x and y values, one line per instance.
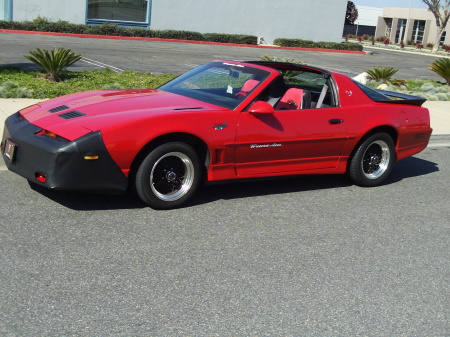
23	66
407	168
80	201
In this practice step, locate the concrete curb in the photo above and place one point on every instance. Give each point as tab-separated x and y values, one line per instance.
440	139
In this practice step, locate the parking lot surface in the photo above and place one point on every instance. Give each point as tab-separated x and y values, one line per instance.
174	57
303	256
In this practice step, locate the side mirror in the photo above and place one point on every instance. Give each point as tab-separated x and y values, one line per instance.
261	107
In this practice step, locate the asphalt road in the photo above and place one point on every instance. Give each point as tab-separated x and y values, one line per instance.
305	256
171	57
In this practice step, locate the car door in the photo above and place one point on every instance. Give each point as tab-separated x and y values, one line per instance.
291	140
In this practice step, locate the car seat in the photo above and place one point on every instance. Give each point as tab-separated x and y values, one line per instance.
248	86
294	99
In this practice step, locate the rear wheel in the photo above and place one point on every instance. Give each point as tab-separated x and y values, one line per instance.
168	176
373	160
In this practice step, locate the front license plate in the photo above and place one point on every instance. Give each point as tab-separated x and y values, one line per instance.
9	150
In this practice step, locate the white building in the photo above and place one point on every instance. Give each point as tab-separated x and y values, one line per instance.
304	19
403	24
366	22
368	16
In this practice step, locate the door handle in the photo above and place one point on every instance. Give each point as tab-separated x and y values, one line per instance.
336	121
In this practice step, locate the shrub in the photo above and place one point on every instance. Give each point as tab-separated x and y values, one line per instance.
231	38
178	35
419	46
41	24
382	75
53	62
110	29
442	68
286	73
11	89
430	45
380	38
386	41
428	88
276	59
283	42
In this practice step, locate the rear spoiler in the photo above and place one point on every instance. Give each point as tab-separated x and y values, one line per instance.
399	98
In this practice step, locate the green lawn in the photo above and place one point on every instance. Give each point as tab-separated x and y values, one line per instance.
17	83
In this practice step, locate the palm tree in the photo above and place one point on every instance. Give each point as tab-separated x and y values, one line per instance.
442	68
53	62
381	74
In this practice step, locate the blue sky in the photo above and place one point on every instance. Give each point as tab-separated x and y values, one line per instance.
390	3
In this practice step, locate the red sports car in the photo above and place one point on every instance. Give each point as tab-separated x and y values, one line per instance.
222	120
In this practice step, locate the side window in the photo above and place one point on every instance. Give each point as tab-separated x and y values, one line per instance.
300	90
317	89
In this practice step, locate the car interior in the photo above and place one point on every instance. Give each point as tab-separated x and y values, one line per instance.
291	94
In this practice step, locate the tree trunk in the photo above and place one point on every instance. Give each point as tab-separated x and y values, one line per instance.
437	41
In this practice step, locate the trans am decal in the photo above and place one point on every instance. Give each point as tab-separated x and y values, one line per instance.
257	146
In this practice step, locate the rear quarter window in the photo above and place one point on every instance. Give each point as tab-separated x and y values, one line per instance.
372	94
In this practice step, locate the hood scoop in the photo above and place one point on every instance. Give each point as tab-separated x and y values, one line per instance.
58	109
72	114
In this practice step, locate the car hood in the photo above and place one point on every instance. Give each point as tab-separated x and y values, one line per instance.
75	115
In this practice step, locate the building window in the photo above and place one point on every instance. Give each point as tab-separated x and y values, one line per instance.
444	35
118	10
388	22
5	9
401	29
418	31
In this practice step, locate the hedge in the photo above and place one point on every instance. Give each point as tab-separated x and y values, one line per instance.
282	42
43	25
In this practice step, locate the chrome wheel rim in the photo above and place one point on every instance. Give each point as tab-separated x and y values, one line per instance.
375	160
172	176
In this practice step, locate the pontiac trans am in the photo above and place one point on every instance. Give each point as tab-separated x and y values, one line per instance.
220	121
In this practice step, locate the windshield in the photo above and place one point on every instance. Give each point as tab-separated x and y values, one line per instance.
219	83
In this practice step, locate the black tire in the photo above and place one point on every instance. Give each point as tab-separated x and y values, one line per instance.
373	160
169	176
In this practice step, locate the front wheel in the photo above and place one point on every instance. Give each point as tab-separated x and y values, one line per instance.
373	160
168	176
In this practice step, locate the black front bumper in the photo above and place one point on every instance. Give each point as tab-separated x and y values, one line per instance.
62	162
